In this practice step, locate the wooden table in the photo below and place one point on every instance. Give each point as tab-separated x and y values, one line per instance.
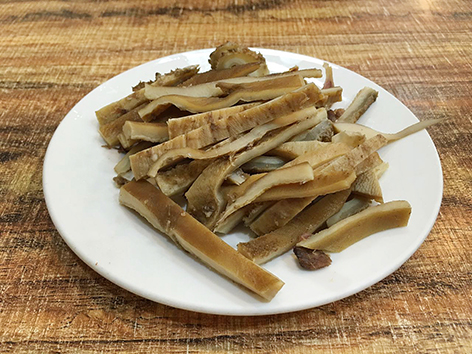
52	53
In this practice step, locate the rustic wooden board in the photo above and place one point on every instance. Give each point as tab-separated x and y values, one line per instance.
52	53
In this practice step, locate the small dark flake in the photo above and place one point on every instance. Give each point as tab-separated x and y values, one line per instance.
120	181
311	259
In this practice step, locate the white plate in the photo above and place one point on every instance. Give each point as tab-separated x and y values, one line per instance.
83	204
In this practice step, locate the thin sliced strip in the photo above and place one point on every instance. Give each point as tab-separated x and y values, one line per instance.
116	109
237	177
319	186
354	157
177	180
369	132
205	201
292	149
350	138
237	70
216	75
123	165
256	91
216	88
233	220
203	90
168	217
271	245
351	207
339	173
279	214
230	54
356	227
305	73
322	132
257	209
300	173
179	126
230	126
369	163
367	185
260	83
285	210
125	142
316	158
329	80
237	217
233	146
322	155
263	163
336	174
359	105
331	96
110	131
175	77
153	132
234	192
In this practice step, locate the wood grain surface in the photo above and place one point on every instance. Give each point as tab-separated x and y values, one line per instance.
52	53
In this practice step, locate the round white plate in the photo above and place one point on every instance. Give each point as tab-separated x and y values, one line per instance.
83	203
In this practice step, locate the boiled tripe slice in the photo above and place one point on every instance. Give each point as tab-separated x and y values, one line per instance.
358	226
359	105
114	110
254	91
231	147
231	126
277	242
300	173
369	132
205	200
182	125
168	217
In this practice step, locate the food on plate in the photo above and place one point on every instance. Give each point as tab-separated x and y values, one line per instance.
114	110
233	146
263	164
322	132
211	100
279	214
329	79
351	207
217	75
273	152
264	248
367	185
178	179
123	166
142	131
205	200
179	126
169	218
300	173
359	105
311	259
354	228
112	129
231	54
231	126
369	132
